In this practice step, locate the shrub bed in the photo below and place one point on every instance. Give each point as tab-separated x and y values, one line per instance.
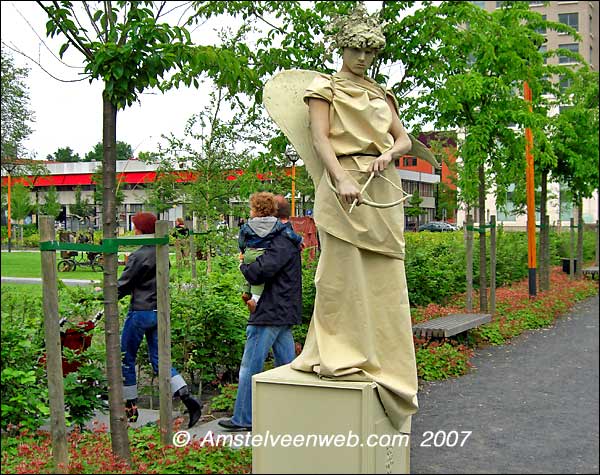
91	452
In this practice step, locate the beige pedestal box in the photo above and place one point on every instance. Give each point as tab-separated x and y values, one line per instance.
305	424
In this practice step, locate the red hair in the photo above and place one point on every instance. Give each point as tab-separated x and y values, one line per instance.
145	222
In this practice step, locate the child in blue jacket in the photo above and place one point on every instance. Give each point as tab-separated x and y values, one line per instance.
256	235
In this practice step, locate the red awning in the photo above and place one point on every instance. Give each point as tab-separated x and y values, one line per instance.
124	177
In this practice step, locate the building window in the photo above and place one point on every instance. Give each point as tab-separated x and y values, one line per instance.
591	55
426	190
543	50
571	19
479	4
499	4
565	83
409	161
573	47
541	30
135	208
410	186
565	204
507	212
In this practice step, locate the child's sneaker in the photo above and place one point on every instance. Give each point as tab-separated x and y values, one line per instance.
251	305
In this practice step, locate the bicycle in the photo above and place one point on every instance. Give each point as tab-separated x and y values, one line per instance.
71	259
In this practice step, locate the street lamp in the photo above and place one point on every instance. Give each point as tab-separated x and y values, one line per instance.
293	157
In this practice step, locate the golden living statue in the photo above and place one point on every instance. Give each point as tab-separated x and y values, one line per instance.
346	128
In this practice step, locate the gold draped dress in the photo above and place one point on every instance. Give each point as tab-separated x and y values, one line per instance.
361	328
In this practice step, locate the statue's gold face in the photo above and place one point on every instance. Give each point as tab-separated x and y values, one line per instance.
358	60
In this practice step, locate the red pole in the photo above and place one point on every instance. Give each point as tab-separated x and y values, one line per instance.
530	199
9	216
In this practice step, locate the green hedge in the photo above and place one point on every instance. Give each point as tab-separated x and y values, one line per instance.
436	263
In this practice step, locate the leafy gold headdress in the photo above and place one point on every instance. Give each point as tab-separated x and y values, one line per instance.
356	30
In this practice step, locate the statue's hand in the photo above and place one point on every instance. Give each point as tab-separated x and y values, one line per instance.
348	190
380	163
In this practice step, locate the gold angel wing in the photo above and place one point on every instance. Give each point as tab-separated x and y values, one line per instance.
283	99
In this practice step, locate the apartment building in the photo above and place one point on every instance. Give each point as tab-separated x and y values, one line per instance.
419	175
583	16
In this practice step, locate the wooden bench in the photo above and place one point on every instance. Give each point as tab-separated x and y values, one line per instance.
450	325
593	271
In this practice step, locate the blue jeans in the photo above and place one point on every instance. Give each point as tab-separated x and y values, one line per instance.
259	340
137	324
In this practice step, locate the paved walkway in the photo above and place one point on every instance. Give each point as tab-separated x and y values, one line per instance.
531	406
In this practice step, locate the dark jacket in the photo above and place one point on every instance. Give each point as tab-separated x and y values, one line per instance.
280	269
180	232
258	232
139	279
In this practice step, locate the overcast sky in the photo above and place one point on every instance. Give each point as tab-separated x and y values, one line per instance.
70	114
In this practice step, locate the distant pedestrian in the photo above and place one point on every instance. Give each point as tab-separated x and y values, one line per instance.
181	234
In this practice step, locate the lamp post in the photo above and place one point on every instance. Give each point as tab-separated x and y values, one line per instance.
293	157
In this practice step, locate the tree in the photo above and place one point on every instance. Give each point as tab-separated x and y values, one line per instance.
164	192
487	57
82	208
226	165
64	155
446	201
98	188
51	206
15	112
575	142
414	209
130	52
124	152
148	156
20	201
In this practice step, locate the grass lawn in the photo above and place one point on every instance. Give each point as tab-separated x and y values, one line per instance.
28	264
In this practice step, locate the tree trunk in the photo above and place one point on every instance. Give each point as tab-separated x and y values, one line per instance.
483	300
208	239
580	224
118	422
544	265
469	260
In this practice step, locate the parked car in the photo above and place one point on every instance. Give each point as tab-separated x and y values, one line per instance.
437	227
